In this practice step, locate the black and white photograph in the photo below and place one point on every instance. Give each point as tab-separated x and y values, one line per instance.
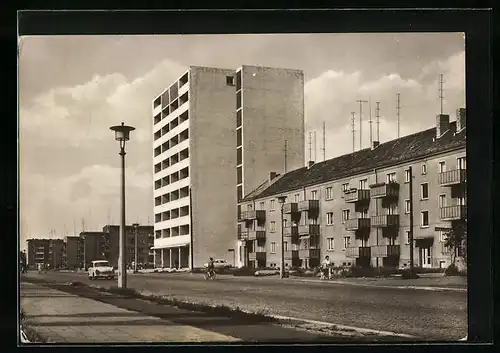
242	188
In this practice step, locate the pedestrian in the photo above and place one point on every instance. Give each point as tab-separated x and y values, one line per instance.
326	268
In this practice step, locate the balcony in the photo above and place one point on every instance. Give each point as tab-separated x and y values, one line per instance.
452	177
379	191
309	254
357	252
251	215
243	234
291	254
385	221
308	205
259	256
290	208
353	196
256	234
357	223
451	213
311	229
291	231
385	251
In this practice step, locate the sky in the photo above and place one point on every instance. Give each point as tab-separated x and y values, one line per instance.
73	88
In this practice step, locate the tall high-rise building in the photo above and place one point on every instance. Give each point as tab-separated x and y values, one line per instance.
216	134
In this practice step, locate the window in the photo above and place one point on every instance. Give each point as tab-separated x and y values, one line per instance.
285	246
363	184
273	247
345	187
345	215
442	236
239	192
392	209
407	176
442	201
273	226
285	222
424	218
238	100
239	156
272	204
314	195
424	169
407	237
249	207
391	177
442	167
230	80
238	118
329	218
329	193
407	206
239	175
238	137
461	163
347	243
330	243
424	191
262	205
296	197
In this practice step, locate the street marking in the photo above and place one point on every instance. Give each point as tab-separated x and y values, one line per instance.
345	327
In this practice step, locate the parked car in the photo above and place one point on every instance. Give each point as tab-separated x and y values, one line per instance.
220	264
101	269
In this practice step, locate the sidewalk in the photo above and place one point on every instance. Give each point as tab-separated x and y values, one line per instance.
60	317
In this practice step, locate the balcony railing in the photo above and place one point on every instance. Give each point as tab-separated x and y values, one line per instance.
290	208
291	254
309	253
385	251
358	251
257	256
251	215
308	205
311	229
384	190
450	213
385	221
452	177
357	223
290	231
358	195
243	235
256	234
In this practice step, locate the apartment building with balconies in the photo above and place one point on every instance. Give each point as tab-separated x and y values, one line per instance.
48	252
216	134
356	207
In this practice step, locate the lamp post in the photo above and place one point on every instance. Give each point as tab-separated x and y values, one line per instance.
136	229
281	200
122	134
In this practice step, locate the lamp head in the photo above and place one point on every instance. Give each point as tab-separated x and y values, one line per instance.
122	132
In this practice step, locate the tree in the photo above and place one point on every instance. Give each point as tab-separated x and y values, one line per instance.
456	241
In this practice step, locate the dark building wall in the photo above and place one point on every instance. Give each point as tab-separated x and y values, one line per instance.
72	252
145	242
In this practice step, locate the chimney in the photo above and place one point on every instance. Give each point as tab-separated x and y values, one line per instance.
375	144
310	164
272	176
461	119
442	124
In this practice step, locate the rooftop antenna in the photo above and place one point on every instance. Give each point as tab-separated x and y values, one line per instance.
310	146
74	227
83	224
397	111
315	146
378	120
370	121
109	216
441	93
353	122
285	155
361	122
324	141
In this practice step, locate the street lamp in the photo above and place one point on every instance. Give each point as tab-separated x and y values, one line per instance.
136	228
122	134
281	200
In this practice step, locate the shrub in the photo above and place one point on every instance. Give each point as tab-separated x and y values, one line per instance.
244	271
127	292
451	270
409	274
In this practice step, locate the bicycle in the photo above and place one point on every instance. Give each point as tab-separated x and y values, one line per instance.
210	274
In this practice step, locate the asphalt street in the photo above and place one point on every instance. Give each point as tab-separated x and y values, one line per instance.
429	315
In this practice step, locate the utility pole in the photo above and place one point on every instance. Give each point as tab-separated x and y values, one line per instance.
324	141
353	122
370	121
285	154
378	121
397	112
441	93
361	122
410	237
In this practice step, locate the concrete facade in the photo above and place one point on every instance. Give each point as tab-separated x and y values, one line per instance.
112	242
71	256
48	252
195	155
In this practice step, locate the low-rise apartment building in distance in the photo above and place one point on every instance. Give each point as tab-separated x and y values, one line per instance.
48	252
217	132
72	257
356	207
145	242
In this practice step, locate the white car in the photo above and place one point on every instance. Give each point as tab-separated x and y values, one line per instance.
101	269
220	264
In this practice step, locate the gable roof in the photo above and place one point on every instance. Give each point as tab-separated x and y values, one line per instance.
393	152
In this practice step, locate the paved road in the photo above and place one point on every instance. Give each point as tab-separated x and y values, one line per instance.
426	314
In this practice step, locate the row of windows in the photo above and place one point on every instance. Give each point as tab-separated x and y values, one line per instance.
172	196
172	214
171	93
173	159
172	125
172	178
174	141
172	232
170	108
